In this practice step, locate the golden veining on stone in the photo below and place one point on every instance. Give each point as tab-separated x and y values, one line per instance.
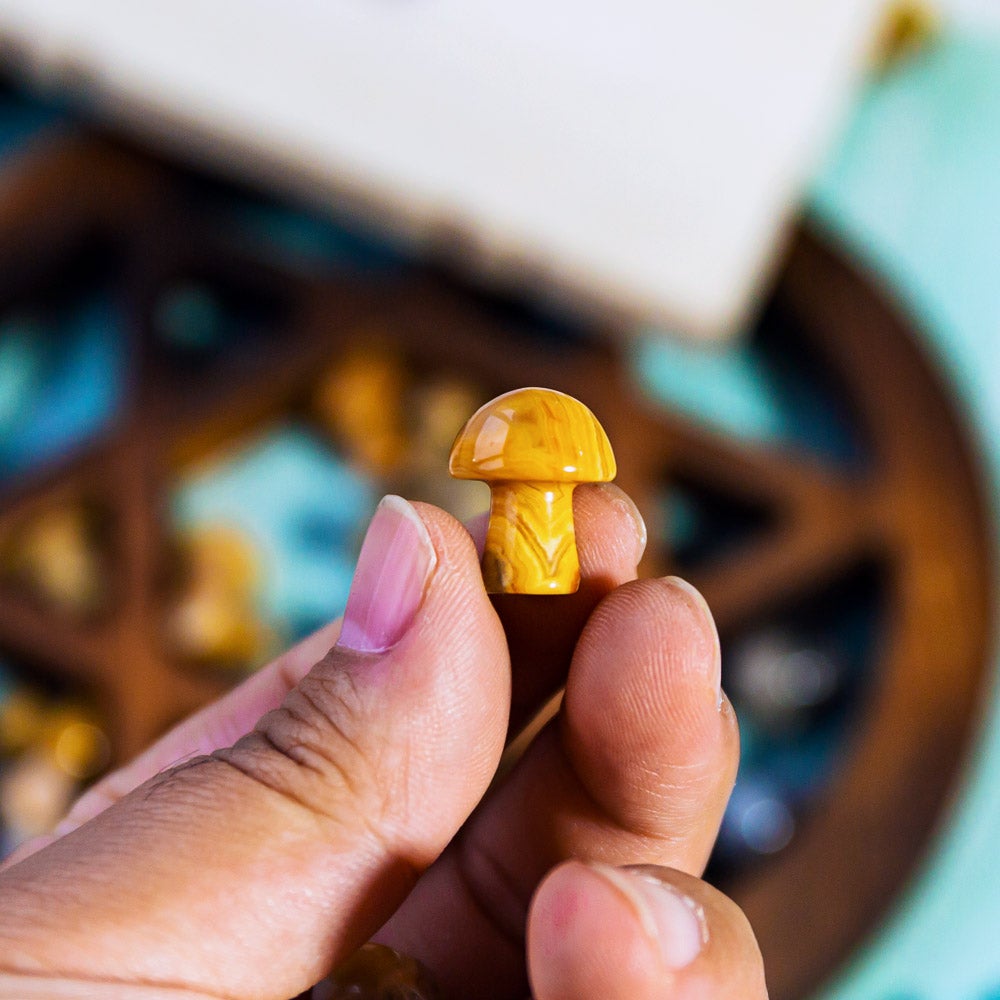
533	447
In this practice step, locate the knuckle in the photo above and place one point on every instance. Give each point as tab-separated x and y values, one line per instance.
319	749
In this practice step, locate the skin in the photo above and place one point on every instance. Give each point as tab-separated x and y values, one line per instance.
337	797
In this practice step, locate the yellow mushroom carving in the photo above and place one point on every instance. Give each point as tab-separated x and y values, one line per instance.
533	447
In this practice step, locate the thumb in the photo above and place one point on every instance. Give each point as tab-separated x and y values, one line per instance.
250	872
639	933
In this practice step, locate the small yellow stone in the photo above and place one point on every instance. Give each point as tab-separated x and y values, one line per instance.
75	743
22	718
533	447
53	554
907	26
360	400
216	621
375	972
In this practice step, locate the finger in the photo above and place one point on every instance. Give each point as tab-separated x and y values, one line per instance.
653	741
611	538
638	765
541	635
216	725
249	872
645	933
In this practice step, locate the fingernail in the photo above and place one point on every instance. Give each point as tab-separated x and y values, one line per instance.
701	606
674	922
692	592
621	499
395	565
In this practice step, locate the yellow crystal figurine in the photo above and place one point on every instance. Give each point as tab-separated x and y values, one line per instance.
533	447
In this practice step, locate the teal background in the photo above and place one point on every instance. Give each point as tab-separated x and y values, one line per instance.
914	189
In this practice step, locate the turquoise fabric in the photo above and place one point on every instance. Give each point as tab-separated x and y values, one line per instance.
61	380
914	189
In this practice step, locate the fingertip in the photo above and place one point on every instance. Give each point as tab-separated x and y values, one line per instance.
702	621
666	627
585	939
611	532
450	537
625	511
638	932
650	740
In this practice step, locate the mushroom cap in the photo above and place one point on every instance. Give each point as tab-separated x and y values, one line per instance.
533	435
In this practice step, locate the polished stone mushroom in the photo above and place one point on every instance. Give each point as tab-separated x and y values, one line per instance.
533	447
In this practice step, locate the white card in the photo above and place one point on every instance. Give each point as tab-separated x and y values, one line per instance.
643	156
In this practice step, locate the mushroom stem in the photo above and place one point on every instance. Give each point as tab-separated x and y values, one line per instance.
530	543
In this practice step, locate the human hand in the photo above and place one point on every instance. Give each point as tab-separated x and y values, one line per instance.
352	808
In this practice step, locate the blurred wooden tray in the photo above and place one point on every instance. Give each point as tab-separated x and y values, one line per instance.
917	510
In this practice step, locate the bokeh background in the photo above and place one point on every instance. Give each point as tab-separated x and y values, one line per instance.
205	387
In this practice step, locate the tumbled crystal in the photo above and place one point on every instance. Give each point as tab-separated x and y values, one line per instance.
375	972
